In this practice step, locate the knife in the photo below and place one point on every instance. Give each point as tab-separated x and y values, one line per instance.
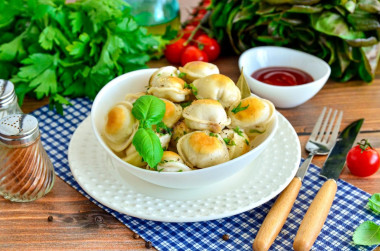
316	215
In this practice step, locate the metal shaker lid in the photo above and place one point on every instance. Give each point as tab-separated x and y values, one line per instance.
7	92
19	129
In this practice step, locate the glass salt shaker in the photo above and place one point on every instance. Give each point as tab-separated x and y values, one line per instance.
26	172
8	99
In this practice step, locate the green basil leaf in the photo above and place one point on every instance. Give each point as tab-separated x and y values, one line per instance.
148	145
374	203
149	108
368	234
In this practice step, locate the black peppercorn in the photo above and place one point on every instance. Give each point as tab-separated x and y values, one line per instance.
226	237
50	218
148	245
136	236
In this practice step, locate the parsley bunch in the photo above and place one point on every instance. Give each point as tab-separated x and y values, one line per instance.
50	48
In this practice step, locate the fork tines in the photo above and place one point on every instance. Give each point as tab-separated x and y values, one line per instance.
323	135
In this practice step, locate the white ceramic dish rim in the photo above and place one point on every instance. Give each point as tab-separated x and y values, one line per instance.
214	216
315	82
114	82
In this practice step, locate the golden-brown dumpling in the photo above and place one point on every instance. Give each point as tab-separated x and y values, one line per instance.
166	71
206	114
132	97
218	87
237	142
180	128
120	126
171	88
258	113
173	113
171	162
202	149
198	69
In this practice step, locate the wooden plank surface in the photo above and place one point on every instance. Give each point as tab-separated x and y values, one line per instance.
79	224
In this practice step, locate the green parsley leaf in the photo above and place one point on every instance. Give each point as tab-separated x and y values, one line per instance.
229	142
238	131
374	203
185	104
182	75
213	134
149	109
368	234
239	108
193	89
148	145
256	131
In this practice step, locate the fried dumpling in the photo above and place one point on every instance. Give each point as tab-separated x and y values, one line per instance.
237	142
171	88
171	162
173	113
218	87
252	114
198	69
179	129
132	97
202	149
166	71
206	114
120	126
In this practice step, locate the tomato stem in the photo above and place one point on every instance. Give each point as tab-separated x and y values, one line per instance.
364	144
197	28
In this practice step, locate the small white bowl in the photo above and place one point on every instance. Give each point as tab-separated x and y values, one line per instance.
137	81
284	96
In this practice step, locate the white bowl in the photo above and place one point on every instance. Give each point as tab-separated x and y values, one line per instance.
284	96
137	81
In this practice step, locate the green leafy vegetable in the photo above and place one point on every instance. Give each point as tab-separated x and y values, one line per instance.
239	108
343	33
149	110
238	131
50	48
374	203
148	145
193	89
229	142
368	233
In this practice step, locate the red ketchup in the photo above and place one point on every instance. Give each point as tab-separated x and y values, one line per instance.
282	76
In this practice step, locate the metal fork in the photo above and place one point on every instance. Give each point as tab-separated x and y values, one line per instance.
320	142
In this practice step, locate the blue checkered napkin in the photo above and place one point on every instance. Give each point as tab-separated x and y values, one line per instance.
349	209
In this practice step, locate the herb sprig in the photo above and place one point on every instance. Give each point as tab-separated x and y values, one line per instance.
149	110
239	108
50	48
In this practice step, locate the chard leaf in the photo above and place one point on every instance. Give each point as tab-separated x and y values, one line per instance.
368	234
334	25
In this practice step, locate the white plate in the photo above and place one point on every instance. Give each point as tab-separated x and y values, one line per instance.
259	182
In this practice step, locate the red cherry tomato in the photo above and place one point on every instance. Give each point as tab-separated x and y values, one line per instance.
188	30
208	45
192	53
363	160
173	51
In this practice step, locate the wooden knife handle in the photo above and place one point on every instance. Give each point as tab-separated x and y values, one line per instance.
315	217
277	216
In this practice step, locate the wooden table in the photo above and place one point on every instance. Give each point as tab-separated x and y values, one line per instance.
80	224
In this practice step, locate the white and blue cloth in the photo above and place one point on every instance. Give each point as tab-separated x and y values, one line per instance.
349	209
